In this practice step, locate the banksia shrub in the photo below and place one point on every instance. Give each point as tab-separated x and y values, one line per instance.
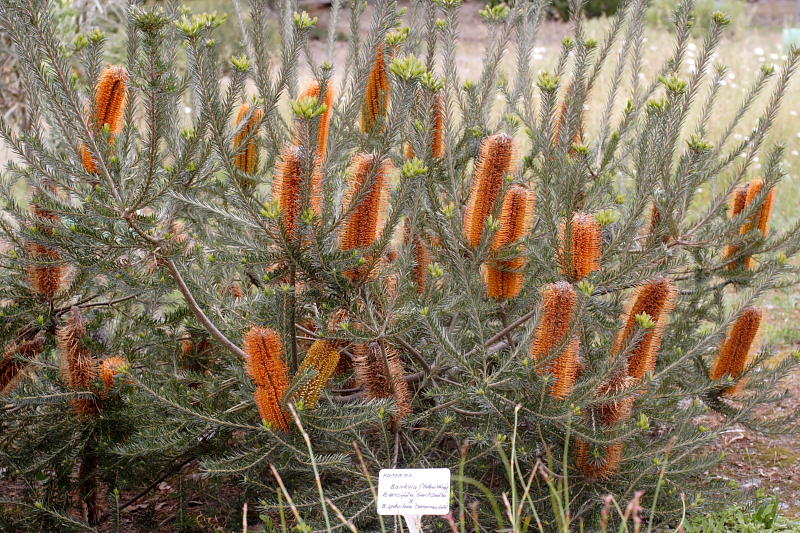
245	142
736	350
78	366
313	91
323	356
377	95
504	279
111	96
12	369
550	337
288	188
583	246
269	373
656	298
494	162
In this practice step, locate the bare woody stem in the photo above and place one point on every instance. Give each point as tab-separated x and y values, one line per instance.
201	316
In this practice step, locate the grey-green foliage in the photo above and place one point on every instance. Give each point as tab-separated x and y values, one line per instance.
177	253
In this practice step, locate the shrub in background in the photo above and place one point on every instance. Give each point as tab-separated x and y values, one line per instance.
372	264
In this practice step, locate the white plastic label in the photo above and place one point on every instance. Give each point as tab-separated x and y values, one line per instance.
414	491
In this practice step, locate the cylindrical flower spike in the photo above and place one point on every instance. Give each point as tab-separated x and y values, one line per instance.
323	356
110	367
12	370
313	91
603	466
504	279
558	307
287	188
111	96
761	219
246	157
370	372
397	374
377	95
657	299
268	370
494	162
736	351
581	253
78	366
365	204
437	135
562	118
422	257
48	276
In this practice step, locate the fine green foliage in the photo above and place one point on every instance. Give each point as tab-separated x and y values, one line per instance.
212	210
734	519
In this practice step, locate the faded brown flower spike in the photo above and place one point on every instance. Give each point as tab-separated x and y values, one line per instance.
78	366
111	96
605	465
558	307
370	372
657	299
736	350
494	162
269	373
12	369
504	279
581	254
377	95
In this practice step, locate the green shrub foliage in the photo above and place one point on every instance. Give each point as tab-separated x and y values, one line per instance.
165	240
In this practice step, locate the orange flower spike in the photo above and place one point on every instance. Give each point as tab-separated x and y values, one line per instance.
736	350
312	91
604	467
503	278
494	162
377	95
364	222
246	158
111	96
584	248
761	219
558	306
738	204
402	394
268	370
323	356
657	299
287	188
422	257
110	367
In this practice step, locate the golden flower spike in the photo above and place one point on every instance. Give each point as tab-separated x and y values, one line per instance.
377	95
657	299
504	279
581	255
323	356
736	350
269	373
78	366
111	96
312	91
494	162
246	157
12	370
558	307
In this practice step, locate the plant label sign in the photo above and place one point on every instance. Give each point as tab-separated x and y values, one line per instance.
413	492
